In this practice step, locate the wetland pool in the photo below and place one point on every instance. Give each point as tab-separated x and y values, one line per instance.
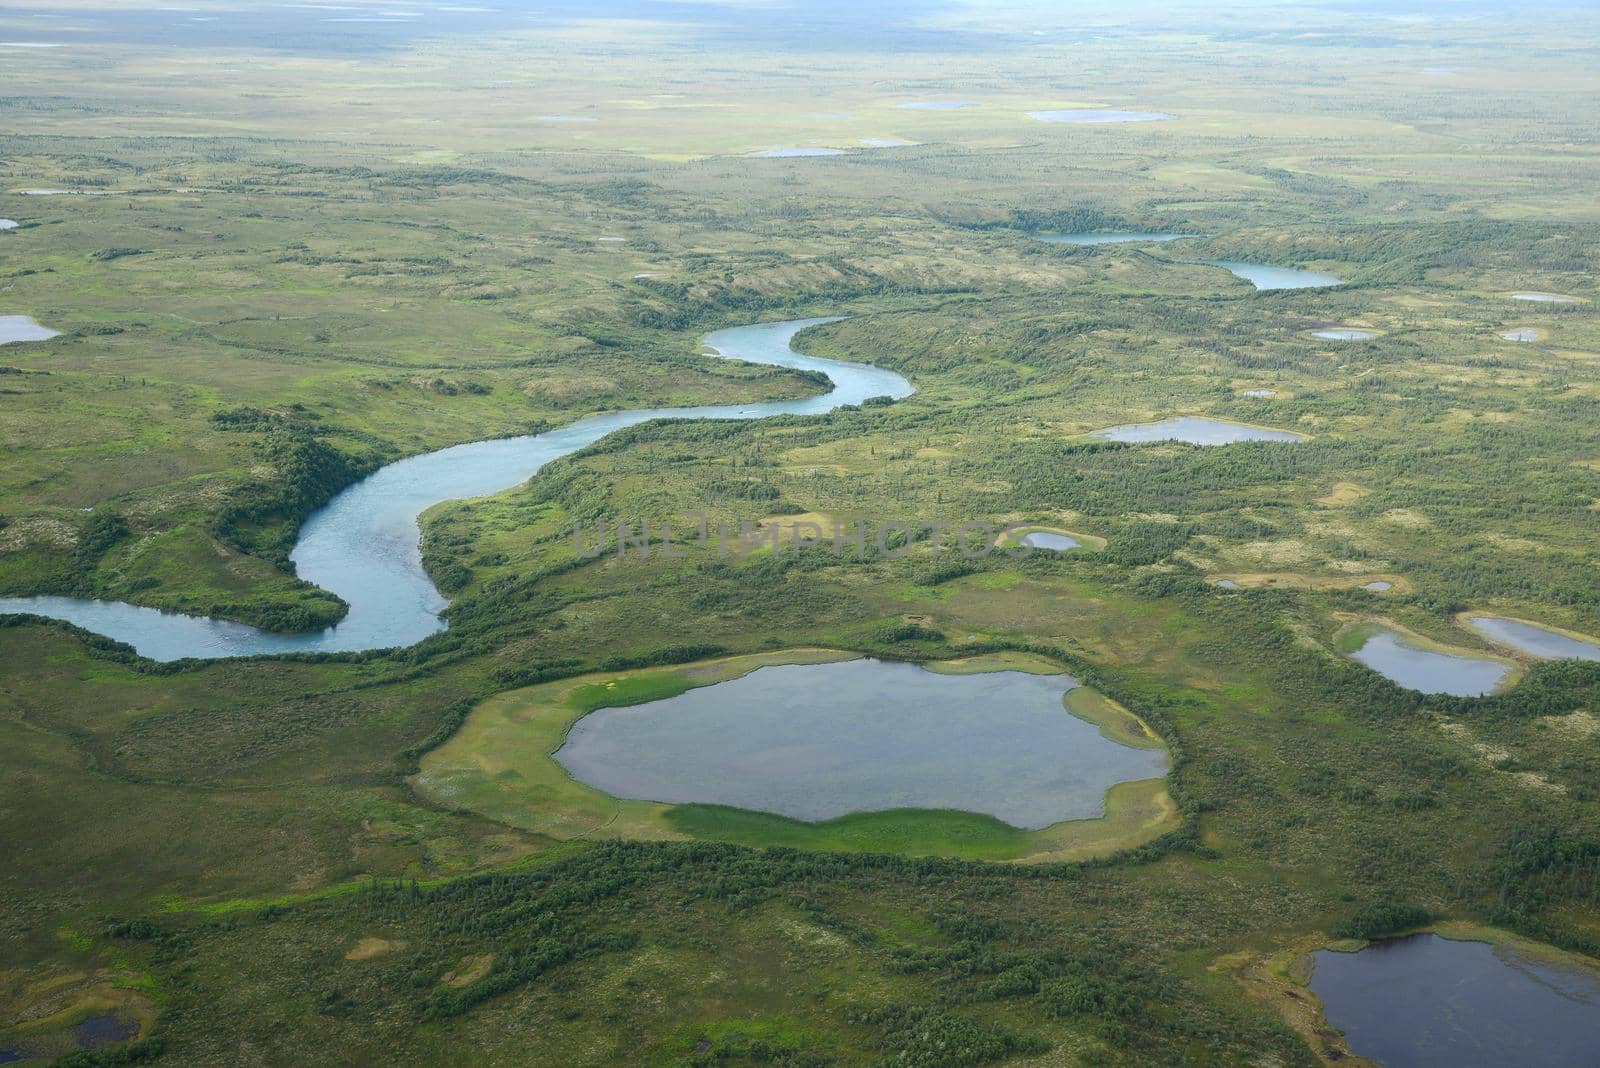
1048	539
1408	664
818	741
1530	638
1344	335
1424	1000
1195	431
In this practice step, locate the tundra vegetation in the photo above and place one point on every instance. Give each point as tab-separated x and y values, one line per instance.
317	247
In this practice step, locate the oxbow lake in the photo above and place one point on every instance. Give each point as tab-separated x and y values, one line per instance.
363	544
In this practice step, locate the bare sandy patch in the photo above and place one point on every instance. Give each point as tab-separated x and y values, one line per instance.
38	530
371	948
1512	544
1410	518
1577	726
468	971
1343	494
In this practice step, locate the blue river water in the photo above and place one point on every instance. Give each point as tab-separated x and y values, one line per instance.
364	544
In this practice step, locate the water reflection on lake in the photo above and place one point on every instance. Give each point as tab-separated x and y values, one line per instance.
1047	539
15	328
1425	1001
1265	276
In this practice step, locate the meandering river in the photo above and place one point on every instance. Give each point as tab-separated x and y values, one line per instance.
364	544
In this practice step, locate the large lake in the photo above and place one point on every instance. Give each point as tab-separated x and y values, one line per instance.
816	741
1533	639
1428	671
363	544
1196	431
1425	1001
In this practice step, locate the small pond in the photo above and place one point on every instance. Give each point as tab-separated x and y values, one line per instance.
1098	116
1259	393
1544	298
98	1031
568	118
1533	639
817	741
1423	1001
1427	671
937	105
8	224
1195	431
1104	238
1227	584
23	328
1379	586
1521	335
1344	335
885	142
1265	276
1046	539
